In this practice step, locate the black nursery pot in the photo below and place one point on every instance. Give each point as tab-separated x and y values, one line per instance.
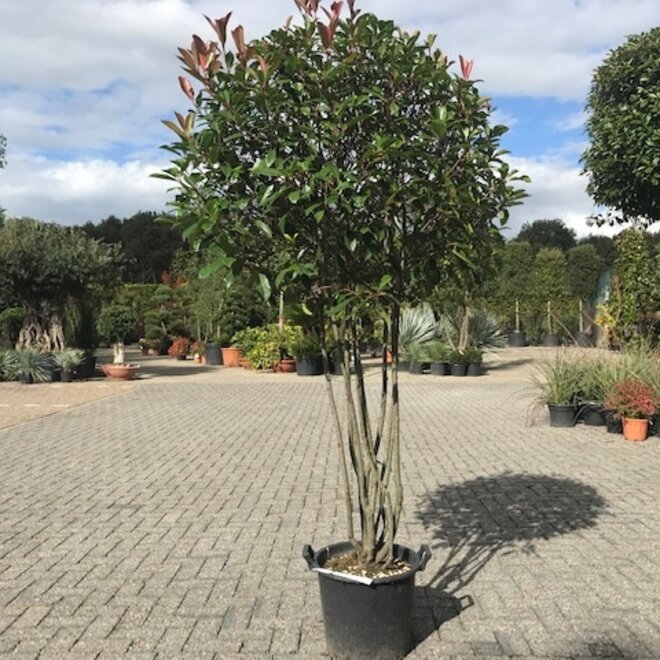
309	366
416	368
592	414
517	338
459	369
364	622
613	425
440	369
66	376
474	369
562	415
212	353
582	340
551	339
87	367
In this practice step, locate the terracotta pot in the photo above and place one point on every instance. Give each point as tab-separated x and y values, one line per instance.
635	430
231	356
244	363
120	371
286	366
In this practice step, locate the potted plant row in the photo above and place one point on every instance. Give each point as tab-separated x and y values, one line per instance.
601	391
30	365
442	360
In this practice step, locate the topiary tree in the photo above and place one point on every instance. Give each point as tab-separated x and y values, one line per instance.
547	234
344	156
114	324
621	160
583	268
550	289
634	280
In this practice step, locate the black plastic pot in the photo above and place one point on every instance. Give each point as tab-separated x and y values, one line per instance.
26	379
517	338
551	339
581	339
212	353
367	622
87	367
416	368
592	414
66	376
655	425
459	369
440	368
474	369
613	425
309	366
562	415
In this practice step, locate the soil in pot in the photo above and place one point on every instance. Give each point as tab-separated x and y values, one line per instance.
459	369
635	430
517	338
592	414
440	369
551	339
562	415
367	621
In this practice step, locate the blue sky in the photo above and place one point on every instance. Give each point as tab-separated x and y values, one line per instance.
84	85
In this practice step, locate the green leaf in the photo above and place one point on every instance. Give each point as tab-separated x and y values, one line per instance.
306	310
264	287
384	281
264	228
210	269
294	196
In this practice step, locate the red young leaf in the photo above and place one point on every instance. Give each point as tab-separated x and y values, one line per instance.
466	66
239	38
187	88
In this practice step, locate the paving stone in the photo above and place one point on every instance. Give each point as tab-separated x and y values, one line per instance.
169	520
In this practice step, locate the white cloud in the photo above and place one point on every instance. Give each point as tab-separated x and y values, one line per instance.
557	190
77	191
571	122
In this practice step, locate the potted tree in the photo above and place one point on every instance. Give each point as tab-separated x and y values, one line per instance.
114	323
68	360
634	402
180	348
550	338
558	382
306	350
438	353
474	357
337	126
517	337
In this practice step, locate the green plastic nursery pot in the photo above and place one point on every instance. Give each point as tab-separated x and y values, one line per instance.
562	415
367	621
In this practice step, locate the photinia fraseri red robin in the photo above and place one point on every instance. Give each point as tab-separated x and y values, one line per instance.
466	66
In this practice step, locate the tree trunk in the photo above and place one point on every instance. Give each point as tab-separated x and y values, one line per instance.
118	350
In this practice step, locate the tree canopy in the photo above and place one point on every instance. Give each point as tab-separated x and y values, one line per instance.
621	160
46	266
547	234
342	154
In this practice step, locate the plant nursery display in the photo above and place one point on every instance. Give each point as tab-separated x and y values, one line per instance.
305	161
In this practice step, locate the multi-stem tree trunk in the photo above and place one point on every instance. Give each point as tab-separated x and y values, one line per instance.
118	352
47	336
373	450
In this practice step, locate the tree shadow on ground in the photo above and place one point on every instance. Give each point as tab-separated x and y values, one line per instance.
501	365
474	520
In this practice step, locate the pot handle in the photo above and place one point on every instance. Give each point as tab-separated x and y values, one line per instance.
309	555
424	554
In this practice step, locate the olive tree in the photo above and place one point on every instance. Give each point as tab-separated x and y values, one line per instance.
621	160
348	153
44	268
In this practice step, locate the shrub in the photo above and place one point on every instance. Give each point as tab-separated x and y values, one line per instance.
631	399
180	346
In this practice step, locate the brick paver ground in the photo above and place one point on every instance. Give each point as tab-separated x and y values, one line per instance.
168	522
